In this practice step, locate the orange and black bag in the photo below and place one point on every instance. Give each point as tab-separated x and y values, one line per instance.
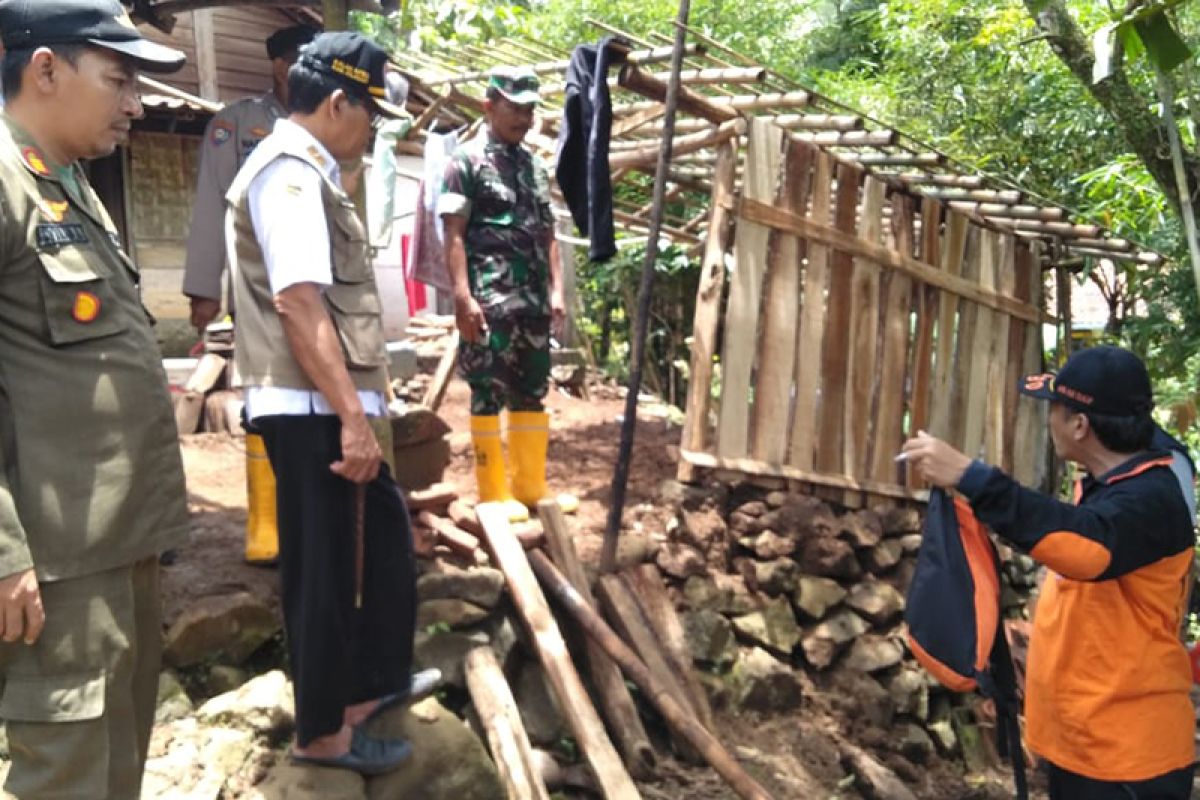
953	617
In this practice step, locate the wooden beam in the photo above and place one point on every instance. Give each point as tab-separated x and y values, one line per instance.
1069	230
1048	214
645	84
682	145
717	75
749	466
551	649
920	178
632	122
847	138
1140	257
893	159
773	101
206	57
1006	196
653	55
772	217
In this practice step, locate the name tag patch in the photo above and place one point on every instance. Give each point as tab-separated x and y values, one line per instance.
60	233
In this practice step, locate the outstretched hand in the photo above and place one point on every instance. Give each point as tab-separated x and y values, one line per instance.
935	461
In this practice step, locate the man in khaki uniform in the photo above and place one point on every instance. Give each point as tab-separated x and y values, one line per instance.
310	350
91	483
230	137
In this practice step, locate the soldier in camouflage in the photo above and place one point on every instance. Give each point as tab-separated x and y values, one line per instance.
508	297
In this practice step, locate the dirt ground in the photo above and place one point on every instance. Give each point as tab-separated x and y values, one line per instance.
793	756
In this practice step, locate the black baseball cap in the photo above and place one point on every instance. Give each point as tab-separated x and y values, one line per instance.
360	66
1104	379
104	23
286	41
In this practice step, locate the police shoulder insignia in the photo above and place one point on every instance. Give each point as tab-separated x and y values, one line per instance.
86	307
259	132
222	132
294	189
316	156
35	161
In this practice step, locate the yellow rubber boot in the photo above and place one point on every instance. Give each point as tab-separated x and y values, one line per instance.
528	438
489	466
262	532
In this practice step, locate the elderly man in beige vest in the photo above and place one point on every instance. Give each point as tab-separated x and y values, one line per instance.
310	351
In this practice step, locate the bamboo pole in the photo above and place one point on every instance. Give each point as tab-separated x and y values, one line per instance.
511	750
675	714
772	101
615	700
1007	212
552	651
672	95
847	138
645	84
682	145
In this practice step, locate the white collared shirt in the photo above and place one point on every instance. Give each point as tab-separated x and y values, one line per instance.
290	225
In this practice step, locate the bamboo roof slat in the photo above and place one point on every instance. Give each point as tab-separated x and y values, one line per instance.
1006	211
847	138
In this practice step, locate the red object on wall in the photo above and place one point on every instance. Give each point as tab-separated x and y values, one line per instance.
413	289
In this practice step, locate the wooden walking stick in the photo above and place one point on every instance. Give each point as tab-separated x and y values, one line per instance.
360	514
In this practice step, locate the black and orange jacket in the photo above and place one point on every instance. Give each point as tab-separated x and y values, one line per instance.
1107	681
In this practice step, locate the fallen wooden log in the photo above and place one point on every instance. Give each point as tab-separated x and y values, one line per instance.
677	716
511	750
443	373
573	699
529	534
647	583
438	496
464	517
615	700
449	534
627	616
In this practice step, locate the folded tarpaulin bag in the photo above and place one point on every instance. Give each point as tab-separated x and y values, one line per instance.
953	616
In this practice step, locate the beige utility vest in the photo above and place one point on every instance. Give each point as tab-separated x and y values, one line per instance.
263	356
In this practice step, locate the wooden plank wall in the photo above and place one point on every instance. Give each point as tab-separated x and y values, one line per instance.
856	316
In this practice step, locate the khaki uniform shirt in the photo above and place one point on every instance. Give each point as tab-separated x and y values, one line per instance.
90	472
228	141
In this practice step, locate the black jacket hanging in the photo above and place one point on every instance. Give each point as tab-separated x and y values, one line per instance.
582	172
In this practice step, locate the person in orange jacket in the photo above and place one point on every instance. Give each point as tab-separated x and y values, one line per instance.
1107	701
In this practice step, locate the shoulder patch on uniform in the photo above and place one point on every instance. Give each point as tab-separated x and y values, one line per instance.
86	307
221	133
53	210
35	161
59	234
316	156
259	131
295	189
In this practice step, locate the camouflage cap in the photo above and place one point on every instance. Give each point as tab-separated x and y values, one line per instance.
518	84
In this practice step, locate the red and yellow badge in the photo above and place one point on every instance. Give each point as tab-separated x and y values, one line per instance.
35	161
86	307
53	210
258	132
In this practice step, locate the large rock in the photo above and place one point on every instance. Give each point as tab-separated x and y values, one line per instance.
172	702
764	684
878	602
911	543
220	627
449	762
915	744
777	576
861	529
769	544
190	759
875	781
286	781
539	710
263	705
446	651
858	696
710	637
829	557
822	644
799	517
719	592
481	586
910	692
702	528
773	626
449	611
681	561
884	556
872	653
815	596
899	521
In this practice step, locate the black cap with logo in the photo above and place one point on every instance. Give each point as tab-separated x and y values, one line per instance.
360	66
104	23
1104	379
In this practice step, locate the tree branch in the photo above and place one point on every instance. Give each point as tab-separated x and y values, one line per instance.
1144	133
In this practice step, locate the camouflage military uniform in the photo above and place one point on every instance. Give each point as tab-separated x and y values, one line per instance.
504	192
